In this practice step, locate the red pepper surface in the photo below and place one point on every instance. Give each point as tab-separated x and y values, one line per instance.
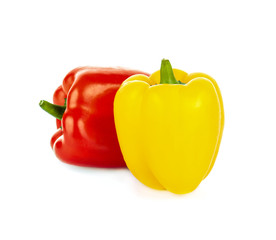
86	134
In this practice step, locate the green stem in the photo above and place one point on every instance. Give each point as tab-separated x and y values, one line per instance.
166	73
53	109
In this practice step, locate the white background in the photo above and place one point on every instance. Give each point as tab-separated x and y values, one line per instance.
43	198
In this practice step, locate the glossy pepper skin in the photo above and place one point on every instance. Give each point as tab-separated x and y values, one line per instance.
169	130
86	133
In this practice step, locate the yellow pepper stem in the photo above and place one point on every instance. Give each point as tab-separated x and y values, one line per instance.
166	73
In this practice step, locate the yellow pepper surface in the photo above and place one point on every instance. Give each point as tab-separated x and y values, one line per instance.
169	127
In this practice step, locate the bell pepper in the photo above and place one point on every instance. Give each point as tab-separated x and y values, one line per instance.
169	127
83	106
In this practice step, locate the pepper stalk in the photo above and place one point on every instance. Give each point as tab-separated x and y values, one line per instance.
56	111
166	73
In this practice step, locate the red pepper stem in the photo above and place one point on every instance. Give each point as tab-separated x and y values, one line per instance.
166	73
53	109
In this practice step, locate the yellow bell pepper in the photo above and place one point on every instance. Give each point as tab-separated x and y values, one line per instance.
169	127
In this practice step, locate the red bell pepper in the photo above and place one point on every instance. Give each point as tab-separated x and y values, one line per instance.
83	106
